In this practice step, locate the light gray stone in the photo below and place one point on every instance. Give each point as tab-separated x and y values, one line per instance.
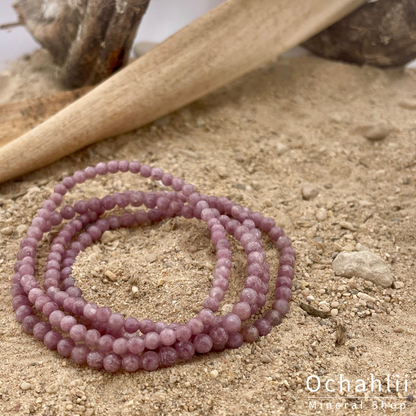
363	264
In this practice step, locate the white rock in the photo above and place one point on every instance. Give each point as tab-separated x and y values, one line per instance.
108	237
322	214
25	386
21	229
408	104
214	374
309	192
281	148
7	231
374	131
363	264
365	297
398	285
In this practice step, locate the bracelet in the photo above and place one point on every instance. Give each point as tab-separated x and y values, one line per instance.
102	338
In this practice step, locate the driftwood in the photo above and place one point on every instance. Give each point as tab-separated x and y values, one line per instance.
88	39
16	118
382	33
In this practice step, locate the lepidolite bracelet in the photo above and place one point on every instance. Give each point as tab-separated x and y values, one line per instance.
102	338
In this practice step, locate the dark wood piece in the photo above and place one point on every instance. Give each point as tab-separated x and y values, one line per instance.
88	39
382	33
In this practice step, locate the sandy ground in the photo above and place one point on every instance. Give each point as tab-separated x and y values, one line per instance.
258	141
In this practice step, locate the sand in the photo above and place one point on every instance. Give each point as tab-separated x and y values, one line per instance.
258	141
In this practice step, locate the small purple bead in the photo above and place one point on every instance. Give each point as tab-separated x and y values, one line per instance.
103	314
202	343
116	321
145	171
231	323
131	325
167	356
120	346
65	347
29	323
185	349
250	333
79	354
51	339
105	344
112	363
41	329
67	323
152	340
92	337
150	360
281	306
131	363
235	340
95	359
101	168
77	332
167	337
136	345
183	333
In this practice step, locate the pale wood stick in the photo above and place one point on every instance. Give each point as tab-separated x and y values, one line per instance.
227	42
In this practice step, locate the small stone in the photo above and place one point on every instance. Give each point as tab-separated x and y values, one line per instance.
7	231
108	237
365	297
398	330
25	386
173	379
161	282
134	289
361	247
347	225
309	192
365	265
21	229
281	148
322	214
334	312
151	257
408	104
398	285
110	275
348	247
265	359
325	308
222	172
214	374
334	304
53	388
377	130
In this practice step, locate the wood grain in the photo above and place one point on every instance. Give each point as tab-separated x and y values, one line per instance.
16	118
229	41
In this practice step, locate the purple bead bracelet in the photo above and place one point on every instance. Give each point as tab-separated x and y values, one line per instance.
95	335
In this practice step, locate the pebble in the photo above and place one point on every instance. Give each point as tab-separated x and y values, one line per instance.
365	265
325	308
398	330
134	289
222	172
7	231
334	312
214	374
366	297
322	214
281	148
21	229
375	131
265	359
309	192
361	247
110	275
398	285
108	237
151	257
408	104
347	225
348	247
25	386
